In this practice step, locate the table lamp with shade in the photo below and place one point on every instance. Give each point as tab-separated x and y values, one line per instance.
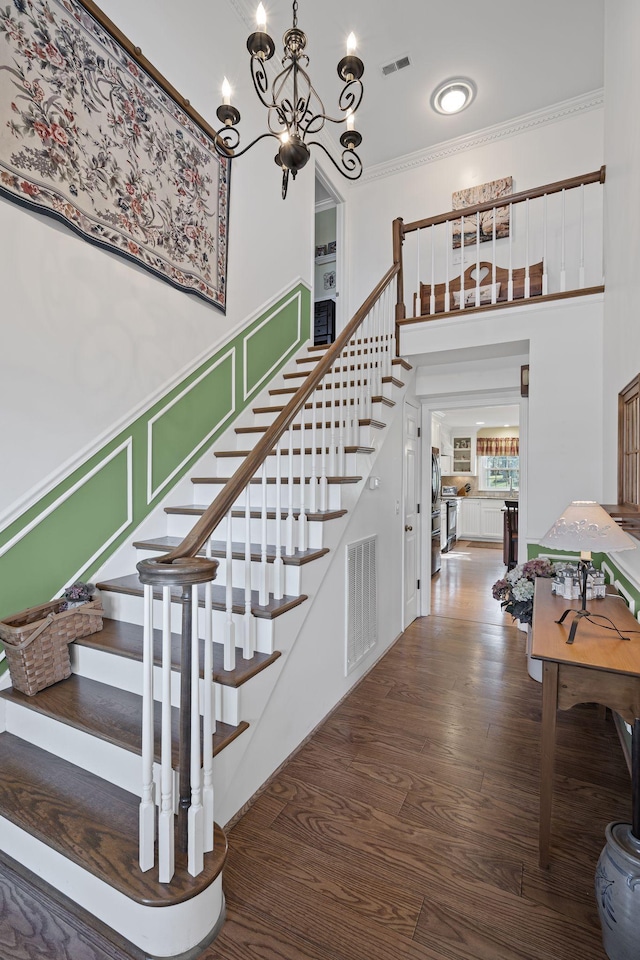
585	527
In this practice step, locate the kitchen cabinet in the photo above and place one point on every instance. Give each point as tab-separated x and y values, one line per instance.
469	519
491	519
464	454
480	519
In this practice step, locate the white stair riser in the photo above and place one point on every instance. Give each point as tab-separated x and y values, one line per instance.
179	525
161	931
227	466
291	572
120	606
352	432
267	418
106	760
127	675
207	492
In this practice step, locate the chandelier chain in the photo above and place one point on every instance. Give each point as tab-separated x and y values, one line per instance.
295	13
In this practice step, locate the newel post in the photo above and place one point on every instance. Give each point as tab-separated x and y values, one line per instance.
398	240
177	581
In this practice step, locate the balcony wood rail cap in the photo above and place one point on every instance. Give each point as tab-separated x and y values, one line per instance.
596	176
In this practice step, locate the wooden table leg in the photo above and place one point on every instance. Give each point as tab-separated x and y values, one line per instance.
549	710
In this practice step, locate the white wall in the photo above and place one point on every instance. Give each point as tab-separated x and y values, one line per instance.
87	336
539	155
622	230
564	407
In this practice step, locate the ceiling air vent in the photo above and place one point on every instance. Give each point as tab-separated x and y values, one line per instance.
396	65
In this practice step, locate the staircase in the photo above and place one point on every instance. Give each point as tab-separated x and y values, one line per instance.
75	809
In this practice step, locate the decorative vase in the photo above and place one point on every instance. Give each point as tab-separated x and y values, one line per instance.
618	893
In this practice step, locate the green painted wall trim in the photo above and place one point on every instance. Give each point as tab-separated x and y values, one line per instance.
72	530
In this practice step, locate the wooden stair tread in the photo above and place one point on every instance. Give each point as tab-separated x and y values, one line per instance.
335	481
219	548
125	640
58	926
92	823
323	403
197	509
262	428
110	714
132	587
296	451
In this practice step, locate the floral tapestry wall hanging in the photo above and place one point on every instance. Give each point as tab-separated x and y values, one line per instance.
94	136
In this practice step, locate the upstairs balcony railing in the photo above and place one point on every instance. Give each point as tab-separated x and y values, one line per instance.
544	243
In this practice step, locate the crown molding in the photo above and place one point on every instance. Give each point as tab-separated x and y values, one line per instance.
499	131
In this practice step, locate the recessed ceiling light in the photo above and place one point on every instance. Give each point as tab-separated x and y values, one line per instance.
452	96
480	423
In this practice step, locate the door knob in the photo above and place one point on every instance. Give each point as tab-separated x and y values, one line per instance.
407	528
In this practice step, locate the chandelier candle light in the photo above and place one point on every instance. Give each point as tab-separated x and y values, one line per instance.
295	111
585	526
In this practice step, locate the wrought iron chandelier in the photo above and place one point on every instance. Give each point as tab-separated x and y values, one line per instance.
295	111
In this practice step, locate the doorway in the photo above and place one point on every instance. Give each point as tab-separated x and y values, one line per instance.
328	262
483	449
411	518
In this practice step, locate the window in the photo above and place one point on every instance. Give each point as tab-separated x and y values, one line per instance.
499	473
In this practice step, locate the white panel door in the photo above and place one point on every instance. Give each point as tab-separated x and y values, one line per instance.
410	512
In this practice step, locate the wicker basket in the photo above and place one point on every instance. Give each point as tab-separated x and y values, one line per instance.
36	642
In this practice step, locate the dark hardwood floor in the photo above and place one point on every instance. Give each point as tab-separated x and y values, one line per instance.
407	826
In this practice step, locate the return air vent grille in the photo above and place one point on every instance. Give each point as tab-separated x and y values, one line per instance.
396	65
362	607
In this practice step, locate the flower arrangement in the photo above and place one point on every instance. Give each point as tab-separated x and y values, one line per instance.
515	591
76	594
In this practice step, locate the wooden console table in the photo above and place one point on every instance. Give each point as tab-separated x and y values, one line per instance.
598	668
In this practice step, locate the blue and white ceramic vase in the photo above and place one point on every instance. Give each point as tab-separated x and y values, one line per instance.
618	893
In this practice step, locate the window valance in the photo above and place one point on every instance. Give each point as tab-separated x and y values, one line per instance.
498	446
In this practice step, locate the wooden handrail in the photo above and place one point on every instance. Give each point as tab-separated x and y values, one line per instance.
216	512
597	176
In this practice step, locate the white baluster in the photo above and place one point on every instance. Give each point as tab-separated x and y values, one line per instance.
581	266
147	817
391	320
278	563
323	485
462	263
166	820
302	517
330	380
248	646
447	295
477	299
563	270
313	476
418	309
358	376
195	819
341	408
209	715
230	627
494	286
351	389
432	298
510	283
263	586
545	274
527	279
289	550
